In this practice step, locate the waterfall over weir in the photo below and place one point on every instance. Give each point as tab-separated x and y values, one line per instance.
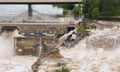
7	43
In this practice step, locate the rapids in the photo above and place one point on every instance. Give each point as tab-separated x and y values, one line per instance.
100	52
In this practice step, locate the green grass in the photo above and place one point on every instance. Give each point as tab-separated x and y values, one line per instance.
62	70
82	31
92	26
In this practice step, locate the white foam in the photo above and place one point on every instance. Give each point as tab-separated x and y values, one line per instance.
7	43
88	59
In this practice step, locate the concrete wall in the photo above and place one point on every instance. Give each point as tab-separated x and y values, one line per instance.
33	27
49	41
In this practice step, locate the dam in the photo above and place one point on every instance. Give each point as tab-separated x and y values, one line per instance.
33	33
32	45
31	36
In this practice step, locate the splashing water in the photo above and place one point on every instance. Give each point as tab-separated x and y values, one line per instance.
100	52
7	43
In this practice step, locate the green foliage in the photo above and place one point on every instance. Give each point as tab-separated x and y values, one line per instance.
95	13
82	31
76	11
65	6
62	70
65	12
72	8
96	8
107	8
92	26
91	9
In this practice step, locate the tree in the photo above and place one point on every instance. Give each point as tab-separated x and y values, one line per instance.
101	8
65	6
76	11
95	13
106	7
91	7
65	12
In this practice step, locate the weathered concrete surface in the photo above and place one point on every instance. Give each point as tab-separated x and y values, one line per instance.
49	38
34	27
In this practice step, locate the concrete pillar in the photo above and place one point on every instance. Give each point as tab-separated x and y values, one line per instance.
15	47
30	14
40	47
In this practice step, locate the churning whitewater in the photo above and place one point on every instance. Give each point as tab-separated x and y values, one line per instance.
7	43
98	52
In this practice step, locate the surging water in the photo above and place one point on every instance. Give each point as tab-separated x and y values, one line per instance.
7	43
100	52
107	39
86	56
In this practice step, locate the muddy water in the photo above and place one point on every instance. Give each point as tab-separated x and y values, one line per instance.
100	52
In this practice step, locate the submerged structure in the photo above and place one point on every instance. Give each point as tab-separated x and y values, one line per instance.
32	36
36	32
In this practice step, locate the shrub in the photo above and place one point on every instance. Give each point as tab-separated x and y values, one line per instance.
93	26
76	11
95	13
65	12
82	31
62	70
